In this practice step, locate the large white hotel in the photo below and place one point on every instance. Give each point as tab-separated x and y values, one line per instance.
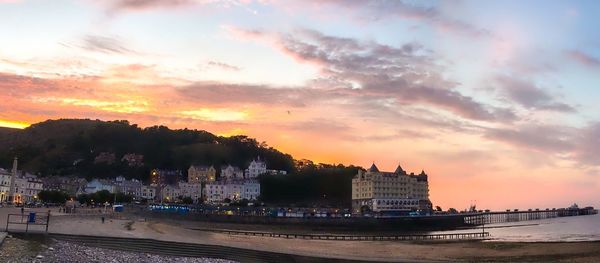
396	191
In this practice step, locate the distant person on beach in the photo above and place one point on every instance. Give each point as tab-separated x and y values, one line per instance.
102	220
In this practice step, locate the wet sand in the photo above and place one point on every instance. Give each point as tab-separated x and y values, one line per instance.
181	231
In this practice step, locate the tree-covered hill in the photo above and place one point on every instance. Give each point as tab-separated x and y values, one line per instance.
93	148
4	131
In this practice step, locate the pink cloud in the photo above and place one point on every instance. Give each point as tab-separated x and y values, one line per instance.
407	73
584	59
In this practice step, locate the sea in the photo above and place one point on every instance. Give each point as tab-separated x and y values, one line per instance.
561	229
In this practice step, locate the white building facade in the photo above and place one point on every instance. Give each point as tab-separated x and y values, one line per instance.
192	190
201	174
147	192
217	192
99	185
387	191
170	193
4	185
26	187
231	173
128	187
256	168
251	190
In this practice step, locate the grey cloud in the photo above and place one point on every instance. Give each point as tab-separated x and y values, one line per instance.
221	65
545	138
356	71
366	9
377	9
223	93
146	4
408	74
104	44
578	144
588	145
530	96
324	125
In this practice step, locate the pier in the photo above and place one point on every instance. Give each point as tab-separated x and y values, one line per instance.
517	216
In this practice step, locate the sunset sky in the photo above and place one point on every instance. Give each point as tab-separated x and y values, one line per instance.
498	101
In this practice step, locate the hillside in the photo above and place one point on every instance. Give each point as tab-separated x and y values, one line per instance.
4	131
93	148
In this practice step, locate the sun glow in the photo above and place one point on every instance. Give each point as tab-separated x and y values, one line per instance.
232	132
125	106
13	124
215	114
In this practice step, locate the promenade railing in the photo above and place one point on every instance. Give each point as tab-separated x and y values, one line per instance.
404	237
32	221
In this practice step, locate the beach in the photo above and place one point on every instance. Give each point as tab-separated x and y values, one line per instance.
387	251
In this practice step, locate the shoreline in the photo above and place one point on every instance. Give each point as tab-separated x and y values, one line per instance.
167	230
454	251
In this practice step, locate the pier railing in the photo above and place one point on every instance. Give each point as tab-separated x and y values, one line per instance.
517	216
405	237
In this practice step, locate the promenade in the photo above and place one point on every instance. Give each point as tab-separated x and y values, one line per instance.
388	251
183	231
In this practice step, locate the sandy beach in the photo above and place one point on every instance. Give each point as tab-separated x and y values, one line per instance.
182	231
389	251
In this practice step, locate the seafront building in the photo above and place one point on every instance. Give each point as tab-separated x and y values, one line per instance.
229	172
4	185
99	185
31	186
236	190
258	167
18	186
201	174
70	185
191	190
128	187
147	192
170	193
165	176
202	183
235	184
388	192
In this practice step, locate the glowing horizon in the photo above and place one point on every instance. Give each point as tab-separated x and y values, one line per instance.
494	104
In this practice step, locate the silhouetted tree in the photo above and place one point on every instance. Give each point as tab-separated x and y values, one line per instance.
53	196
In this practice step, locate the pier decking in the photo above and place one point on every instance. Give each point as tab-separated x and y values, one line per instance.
516	216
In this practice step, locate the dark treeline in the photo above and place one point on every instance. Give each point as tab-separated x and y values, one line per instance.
70	147
102	197
57	197
312	185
